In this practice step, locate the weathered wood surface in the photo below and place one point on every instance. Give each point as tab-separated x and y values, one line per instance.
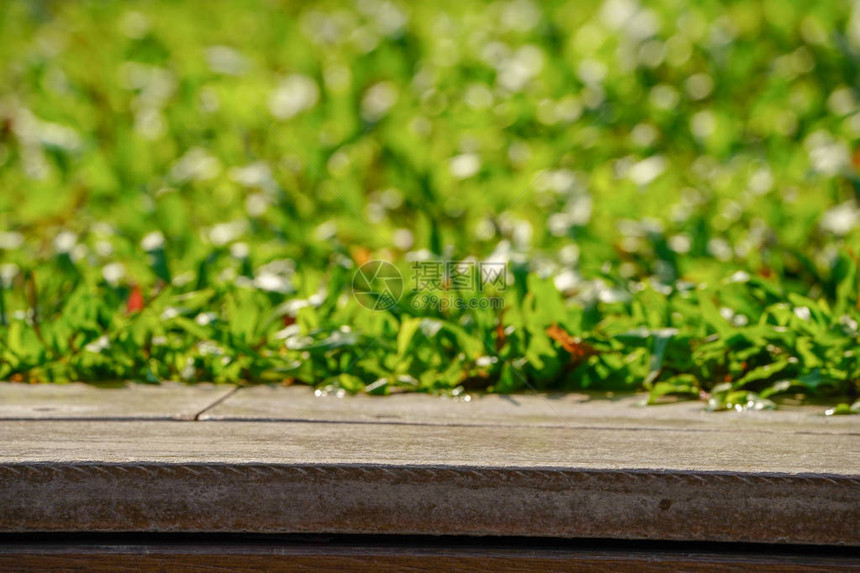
399	479
601	469
170	400
534	410
363	555
380	445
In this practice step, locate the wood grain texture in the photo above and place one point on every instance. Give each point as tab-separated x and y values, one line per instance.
410	479
279	460
298	403
169	400
405	445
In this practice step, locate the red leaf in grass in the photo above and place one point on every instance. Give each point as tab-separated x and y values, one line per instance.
135	300
501	337
579	351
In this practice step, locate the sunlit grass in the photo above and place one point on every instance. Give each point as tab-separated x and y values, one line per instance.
186	193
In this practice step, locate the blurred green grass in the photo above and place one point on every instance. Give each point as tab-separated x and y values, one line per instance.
673	183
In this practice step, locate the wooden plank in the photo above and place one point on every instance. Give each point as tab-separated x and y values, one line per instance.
169	400
272	477
376	444
549	410
432	555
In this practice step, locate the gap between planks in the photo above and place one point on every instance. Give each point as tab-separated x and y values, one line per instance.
215	403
